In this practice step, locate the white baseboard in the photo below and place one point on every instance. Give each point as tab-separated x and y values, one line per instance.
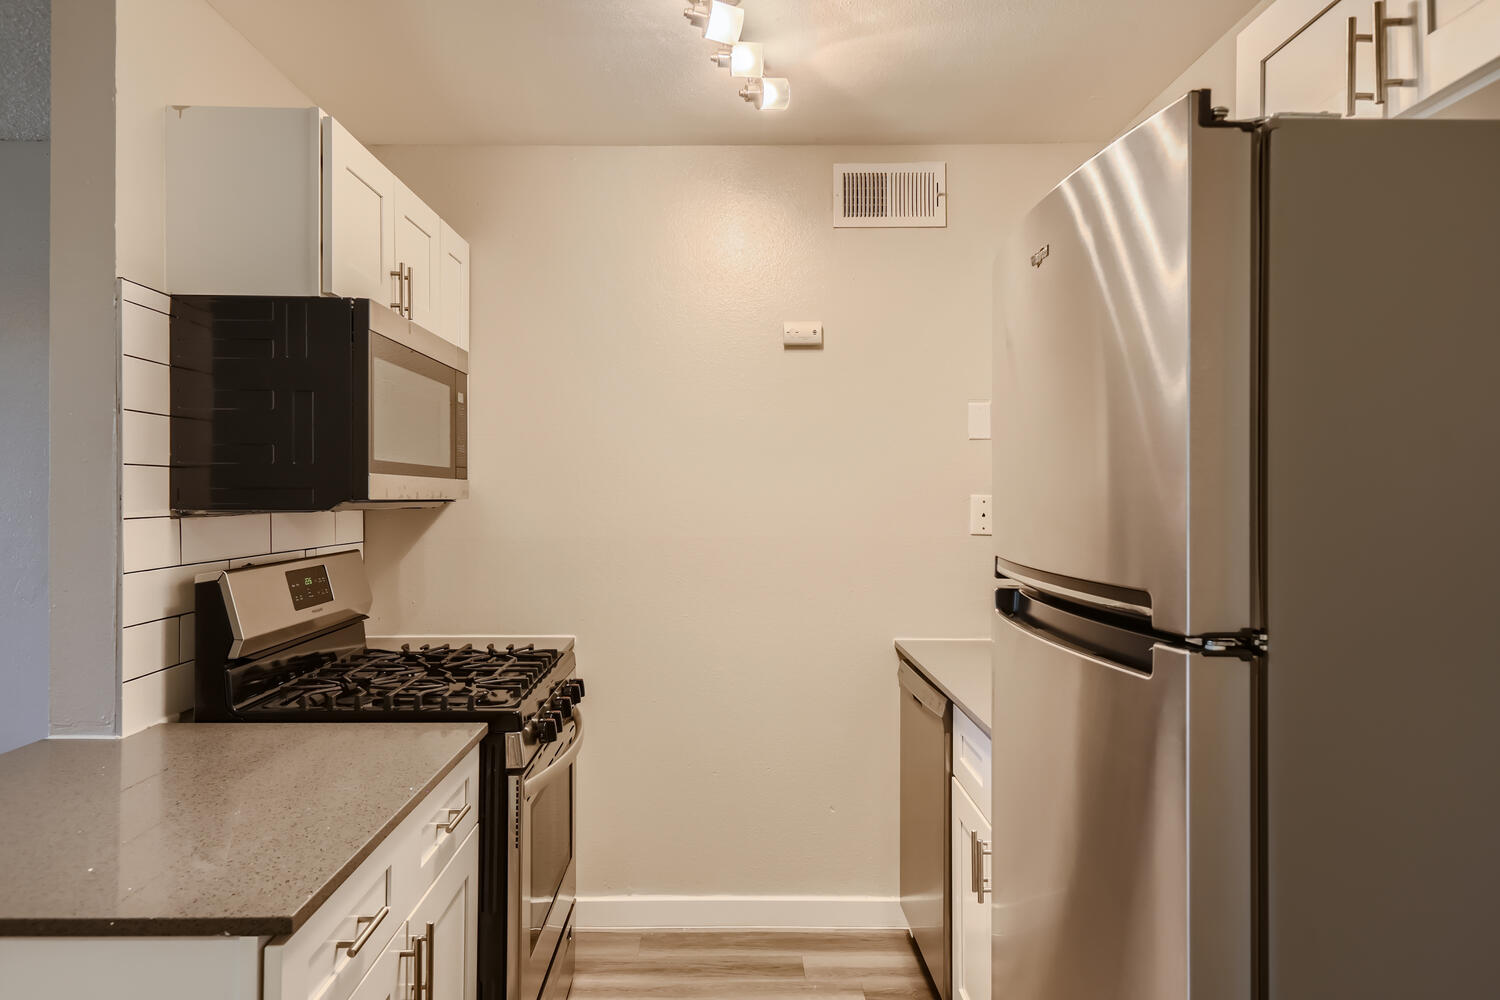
738	912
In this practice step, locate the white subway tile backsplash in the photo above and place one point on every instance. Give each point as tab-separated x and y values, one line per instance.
149	647
160	593
348	526
145	438
301	531
149	543
345	547
268	558
158	697
145	385
145	491
145	333
186	636
131	291
205	538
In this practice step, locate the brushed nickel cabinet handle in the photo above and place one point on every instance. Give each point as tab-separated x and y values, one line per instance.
400	304
421	963
427	954
1383	80
978	851
363	937
1350	94
409	296
455	817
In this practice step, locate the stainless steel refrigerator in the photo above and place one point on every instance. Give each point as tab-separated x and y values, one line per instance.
1246	691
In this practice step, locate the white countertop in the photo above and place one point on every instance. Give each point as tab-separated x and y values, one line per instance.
959	667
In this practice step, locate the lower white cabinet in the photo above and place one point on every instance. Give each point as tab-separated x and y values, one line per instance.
408	915
971	898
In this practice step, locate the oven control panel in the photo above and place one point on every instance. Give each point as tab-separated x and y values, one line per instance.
309	586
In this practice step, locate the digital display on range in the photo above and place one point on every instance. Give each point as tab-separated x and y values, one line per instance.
309	586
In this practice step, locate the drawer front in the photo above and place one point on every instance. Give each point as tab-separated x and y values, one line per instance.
315	963
971	760
448	816
341	942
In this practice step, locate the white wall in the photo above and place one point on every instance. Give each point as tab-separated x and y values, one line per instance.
1214	70
23	441
735	532
173	52
83	373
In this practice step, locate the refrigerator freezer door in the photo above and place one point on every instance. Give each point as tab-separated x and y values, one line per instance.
1124	437
1122	823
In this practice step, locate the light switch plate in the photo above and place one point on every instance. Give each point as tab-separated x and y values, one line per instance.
802	333
979	420
979	514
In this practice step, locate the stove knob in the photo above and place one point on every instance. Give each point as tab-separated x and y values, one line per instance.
563	705
546	730
573	689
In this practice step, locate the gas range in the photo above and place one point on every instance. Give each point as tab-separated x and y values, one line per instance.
515	688
286	642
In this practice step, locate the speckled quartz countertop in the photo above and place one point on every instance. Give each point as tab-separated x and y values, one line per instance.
200	829
959	667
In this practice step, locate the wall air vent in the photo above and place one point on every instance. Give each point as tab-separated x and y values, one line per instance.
889	195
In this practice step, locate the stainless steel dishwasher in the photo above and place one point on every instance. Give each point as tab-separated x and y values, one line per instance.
926	744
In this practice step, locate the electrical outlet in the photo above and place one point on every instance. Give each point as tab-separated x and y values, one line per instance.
802	333
979	514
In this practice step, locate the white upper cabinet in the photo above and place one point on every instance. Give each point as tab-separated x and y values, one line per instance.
285	201
1365	58
453	286
242	193
417	257
1460	45
359	219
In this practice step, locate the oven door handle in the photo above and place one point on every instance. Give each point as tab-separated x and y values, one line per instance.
554	770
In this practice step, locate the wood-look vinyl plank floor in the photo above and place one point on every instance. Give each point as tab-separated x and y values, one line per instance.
754	965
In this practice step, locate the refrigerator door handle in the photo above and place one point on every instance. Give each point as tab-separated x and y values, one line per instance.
1102	642
1099	595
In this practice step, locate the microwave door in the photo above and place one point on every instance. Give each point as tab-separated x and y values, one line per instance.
417	436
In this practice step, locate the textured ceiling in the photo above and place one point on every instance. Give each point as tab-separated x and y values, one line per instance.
25	69
635	72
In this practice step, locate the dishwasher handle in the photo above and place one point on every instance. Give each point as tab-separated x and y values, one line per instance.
919	688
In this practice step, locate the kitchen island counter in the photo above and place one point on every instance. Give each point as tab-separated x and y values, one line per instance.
205	829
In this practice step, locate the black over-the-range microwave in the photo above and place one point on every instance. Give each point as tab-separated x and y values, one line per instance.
300	404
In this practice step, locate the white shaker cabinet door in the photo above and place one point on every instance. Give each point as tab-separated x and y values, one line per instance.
453	287
971	899
1460	45
1313	57
444	928
359	214
417	256
390	977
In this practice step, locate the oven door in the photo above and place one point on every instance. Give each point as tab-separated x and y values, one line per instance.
418	423
547	880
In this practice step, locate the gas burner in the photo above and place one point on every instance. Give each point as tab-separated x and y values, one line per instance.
428	678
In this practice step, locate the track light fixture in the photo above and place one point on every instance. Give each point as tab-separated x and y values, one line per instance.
722	22
769	93
743	60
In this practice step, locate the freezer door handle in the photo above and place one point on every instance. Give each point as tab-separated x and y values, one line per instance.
1100	595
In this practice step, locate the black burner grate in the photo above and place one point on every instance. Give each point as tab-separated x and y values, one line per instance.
426	679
